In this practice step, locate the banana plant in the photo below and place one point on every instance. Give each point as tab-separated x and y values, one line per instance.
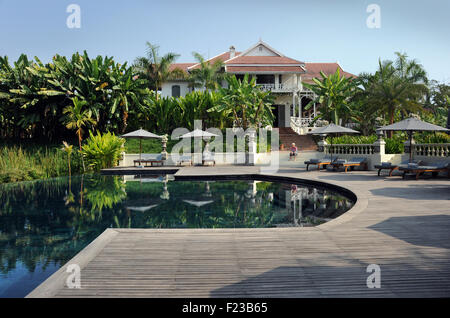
334	94
245	102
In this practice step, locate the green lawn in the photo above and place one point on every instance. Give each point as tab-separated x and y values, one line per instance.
155	146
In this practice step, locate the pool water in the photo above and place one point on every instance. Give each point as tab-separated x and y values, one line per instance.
43	224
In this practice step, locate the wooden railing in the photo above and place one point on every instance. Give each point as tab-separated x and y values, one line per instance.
432	150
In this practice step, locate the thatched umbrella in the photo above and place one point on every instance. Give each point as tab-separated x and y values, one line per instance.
332	129
411	125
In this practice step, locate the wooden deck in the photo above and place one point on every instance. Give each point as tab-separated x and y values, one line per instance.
401	225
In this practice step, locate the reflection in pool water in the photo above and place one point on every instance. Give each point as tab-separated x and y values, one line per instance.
45	223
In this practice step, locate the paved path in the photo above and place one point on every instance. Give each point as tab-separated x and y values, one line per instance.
401	225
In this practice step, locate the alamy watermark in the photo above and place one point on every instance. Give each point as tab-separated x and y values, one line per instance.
74	279
374	279
238	146
374	19
74	19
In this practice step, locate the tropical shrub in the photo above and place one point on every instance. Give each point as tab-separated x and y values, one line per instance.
393	145
102	150
347	139
432	138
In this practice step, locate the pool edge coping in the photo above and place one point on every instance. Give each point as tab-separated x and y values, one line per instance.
50	286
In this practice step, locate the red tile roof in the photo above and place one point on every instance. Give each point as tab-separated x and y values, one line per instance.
221	57
263	60
268	69
314	69
181	66
288	66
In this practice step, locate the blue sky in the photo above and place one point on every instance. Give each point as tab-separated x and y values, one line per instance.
311	31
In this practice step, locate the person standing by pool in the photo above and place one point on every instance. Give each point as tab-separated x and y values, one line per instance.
294	151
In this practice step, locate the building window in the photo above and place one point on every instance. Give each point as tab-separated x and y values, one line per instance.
265	79
176	91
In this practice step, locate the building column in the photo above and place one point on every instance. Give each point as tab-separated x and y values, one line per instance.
314	112
277	82
293	105
300	108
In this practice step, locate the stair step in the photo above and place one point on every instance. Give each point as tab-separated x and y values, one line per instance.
289	136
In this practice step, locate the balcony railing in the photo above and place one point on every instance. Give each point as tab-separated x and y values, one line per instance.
277	87
301	125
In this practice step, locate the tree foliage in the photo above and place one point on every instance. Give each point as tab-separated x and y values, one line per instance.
333	93
248	105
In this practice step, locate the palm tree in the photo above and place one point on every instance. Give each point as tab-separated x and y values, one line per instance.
334	94
155	68
396	87
77	118
208	76
246	103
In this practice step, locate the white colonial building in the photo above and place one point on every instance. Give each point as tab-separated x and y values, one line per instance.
275	72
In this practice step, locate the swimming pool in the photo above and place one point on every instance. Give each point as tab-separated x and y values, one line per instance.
43	224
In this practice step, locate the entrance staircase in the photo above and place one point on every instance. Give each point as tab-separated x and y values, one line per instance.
303	142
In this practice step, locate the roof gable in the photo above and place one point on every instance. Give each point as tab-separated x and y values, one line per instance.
263	58
261	49
270	60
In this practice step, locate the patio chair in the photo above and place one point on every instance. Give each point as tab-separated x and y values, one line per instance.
184	158
319	162
352	163
208	157
150	159
418	170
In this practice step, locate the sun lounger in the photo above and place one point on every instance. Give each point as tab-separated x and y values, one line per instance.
352	163
185	158
391	167
150	159
319	162
386	166
419	170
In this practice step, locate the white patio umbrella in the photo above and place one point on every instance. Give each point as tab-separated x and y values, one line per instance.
411	125
140	134
198	204
141	208
332	129
198	133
